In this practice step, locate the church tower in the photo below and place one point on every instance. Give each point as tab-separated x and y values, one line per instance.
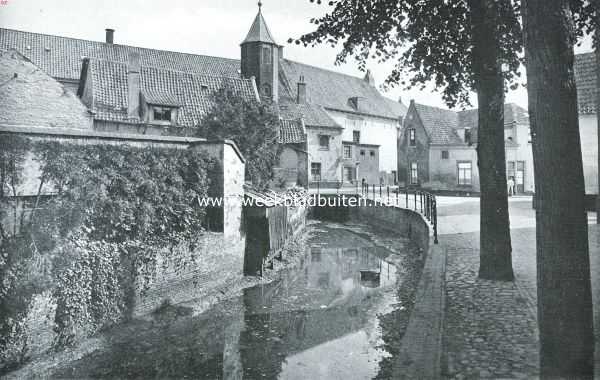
260	57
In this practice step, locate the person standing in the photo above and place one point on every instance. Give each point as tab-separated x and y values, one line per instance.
511	186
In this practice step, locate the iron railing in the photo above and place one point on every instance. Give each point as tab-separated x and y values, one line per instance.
413	199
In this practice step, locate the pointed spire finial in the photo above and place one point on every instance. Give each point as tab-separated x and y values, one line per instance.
259	5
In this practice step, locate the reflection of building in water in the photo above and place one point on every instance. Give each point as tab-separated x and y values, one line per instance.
341	268
288	316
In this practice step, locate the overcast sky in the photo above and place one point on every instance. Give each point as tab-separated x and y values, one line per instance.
210	27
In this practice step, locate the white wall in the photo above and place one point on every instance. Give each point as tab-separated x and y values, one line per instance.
373	130
588	131
524	153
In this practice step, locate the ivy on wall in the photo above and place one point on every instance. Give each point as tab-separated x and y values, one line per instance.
113	210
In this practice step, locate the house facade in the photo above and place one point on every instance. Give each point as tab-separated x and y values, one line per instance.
585	78
437	149
148	91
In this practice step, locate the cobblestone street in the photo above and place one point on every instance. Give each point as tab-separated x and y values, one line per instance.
491	326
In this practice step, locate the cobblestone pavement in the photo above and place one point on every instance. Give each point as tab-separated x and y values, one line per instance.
490	326
490	331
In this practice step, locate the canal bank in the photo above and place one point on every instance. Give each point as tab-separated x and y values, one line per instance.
397	327
319	318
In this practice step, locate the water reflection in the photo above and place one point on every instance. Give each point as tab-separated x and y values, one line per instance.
318	321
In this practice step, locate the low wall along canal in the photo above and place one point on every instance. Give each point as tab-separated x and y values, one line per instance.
344	306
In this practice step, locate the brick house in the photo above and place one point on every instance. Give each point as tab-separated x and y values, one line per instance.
173	91
437	148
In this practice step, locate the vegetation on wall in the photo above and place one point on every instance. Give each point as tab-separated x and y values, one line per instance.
253	126
112	210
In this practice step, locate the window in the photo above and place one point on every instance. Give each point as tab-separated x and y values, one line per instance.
529	135
468	136
323	142
315	171
412	136
445	154
161	114
266	89
347	151
464	173
414	173
510	169
356	136
266	55
372	153
395	177
362	152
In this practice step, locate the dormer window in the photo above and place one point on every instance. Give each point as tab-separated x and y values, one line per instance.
162	114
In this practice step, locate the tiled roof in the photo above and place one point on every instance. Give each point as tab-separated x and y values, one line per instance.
333	90
513	114
585	79
312	114
398	108
440	124
192	92
259	31
61	57
291	132
159	97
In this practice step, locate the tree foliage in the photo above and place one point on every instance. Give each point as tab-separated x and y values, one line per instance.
460	46
430	41
253	126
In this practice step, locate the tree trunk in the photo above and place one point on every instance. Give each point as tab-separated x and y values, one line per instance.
597	53
563	267
495	246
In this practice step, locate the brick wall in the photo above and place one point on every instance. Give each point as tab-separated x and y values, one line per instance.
184	275
394	219
418	153
443	172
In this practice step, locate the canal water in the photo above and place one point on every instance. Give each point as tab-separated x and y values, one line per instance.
338	314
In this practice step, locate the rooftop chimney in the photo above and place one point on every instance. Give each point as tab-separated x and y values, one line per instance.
133	85
369	78
110	35
301	98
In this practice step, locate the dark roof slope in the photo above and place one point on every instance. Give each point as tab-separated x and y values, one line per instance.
291	131
61	57
333	90
313	114
259	31
585	79
441	124
513	114
398	108
192	92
